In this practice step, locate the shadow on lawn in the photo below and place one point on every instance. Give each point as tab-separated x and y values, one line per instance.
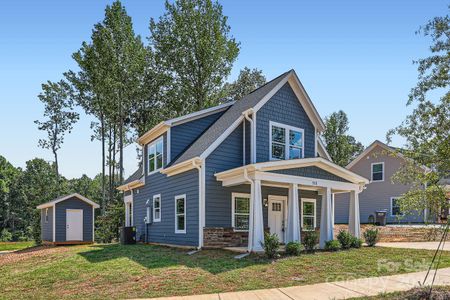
154	257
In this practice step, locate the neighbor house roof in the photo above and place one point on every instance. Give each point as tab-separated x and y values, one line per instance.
62	198
396	150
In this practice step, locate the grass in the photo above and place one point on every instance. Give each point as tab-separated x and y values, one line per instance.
131	271
9	246
439	292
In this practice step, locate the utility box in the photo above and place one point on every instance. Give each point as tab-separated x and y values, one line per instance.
128	235
380	217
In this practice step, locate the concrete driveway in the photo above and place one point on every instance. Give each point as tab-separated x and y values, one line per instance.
415	245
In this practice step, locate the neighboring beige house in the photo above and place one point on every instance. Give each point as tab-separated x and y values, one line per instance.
378	164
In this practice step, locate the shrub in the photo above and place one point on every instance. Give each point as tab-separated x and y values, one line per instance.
345	238
371	237
356	242
271	245
332	245
310	240
5	236
294	248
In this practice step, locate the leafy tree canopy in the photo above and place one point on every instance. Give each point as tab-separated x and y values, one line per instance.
247	81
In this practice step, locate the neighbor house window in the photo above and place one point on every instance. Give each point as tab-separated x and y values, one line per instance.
395	207
157	208
378	171
180	214
155	155
286	142
46	215
240	211
308	215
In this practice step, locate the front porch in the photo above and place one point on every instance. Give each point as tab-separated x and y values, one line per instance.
287	215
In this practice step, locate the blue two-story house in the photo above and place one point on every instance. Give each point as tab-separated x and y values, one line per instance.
223	176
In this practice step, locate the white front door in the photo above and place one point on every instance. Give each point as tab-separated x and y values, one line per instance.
277	209
74	225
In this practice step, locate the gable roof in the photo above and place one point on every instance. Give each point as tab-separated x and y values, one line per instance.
163	126
235	114
62	198
322	149
388	148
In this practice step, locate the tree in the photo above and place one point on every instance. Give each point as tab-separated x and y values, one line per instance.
192	43
427	128
342	147
247	81
8	179
59	114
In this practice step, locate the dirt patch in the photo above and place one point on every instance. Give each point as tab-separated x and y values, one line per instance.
31	252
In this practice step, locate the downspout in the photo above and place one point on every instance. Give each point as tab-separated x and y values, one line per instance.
252	135
200	168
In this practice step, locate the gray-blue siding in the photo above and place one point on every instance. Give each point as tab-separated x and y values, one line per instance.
367	208
47	227
183	135
218	198
313	172
60	215
284	108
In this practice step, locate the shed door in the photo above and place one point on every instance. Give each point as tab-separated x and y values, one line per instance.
74	225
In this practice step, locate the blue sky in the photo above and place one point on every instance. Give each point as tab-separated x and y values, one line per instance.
350	55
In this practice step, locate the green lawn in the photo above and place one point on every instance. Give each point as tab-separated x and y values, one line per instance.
8	246
116	271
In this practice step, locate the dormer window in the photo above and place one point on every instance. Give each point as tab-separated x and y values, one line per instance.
155	155
286	142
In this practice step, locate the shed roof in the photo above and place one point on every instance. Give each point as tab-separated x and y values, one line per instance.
63	198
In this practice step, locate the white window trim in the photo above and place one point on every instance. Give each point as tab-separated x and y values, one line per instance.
155	220
315	213
176	214
146	155
46	215
286	142
390	208
371	171
233	207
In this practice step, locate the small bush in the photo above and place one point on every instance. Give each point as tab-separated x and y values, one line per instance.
356	242
371	237
332	245
5	236
345	238
293	248
310	240
271	245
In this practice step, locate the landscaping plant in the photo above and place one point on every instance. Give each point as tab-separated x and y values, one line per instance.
5	236
371	237
356	242
310	240
332	245
294	248
271	245
345	238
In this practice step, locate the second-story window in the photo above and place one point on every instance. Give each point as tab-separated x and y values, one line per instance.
155	155
286	142
377	171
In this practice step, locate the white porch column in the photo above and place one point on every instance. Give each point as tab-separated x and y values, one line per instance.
353	222
326	226
293	222
256	224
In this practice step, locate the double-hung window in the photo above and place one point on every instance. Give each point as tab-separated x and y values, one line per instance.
180	214
395	207
155	155
286	142
308	214
240	211
377	171
46	215
157	208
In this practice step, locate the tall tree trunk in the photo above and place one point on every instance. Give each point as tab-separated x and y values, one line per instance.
110	164
113	167
120	144
102	124
57	170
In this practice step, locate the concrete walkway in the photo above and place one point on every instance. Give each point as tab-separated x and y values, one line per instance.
332	290
415	245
